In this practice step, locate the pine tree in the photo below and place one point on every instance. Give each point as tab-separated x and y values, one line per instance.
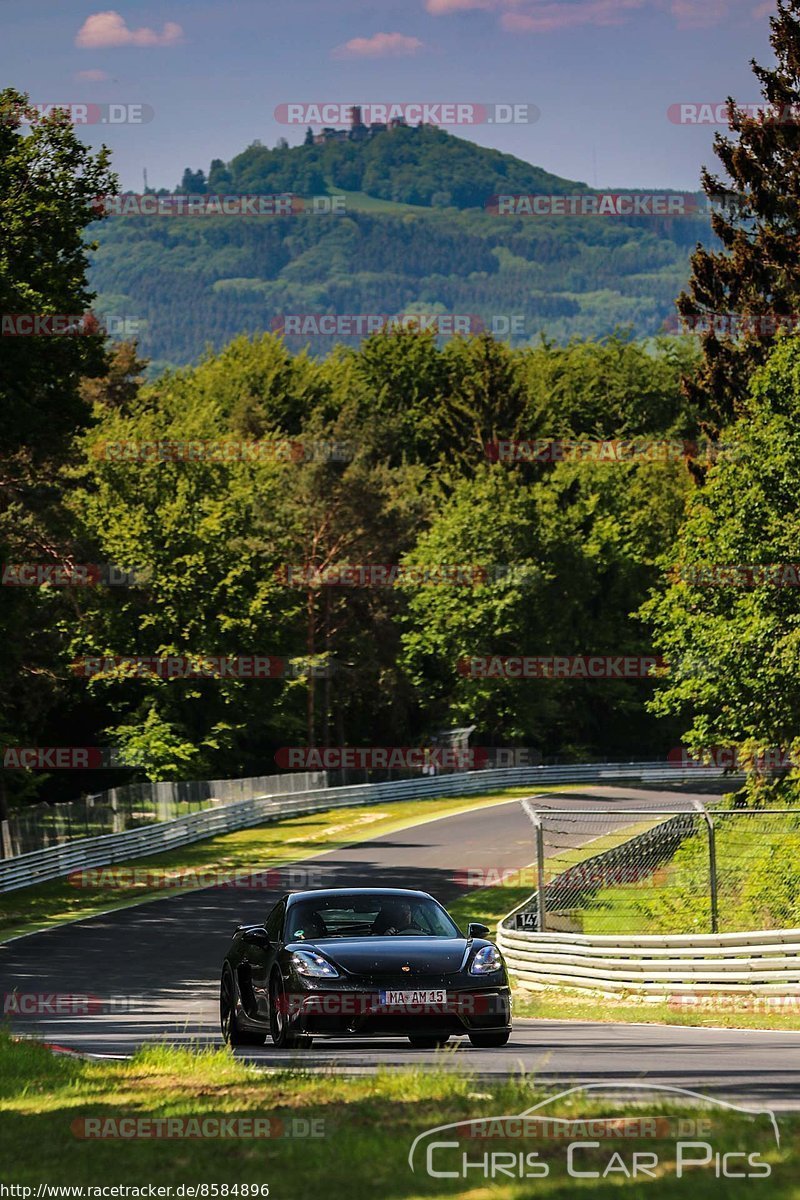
742	294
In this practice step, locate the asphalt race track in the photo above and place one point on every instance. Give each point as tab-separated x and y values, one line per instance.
160	963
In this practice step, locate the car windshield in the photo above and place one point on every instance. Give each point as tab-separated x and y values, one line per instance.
373	915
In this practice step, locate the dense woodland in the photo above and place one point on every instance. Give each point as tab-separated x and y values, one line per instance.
582	556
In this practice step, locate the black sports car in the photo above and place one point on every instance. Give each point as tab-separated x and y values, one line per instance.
363	962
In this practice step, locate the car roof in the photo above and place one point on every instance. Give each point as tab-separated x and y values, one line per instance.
323	893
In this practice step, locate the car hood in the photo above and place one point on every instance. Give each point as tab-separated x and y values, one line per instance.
388	955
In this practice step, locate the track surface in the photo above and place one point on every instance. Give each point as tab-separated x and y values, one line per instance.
161	962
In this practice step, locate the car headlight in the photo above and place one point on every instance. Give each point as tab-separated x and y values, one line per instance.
486	961
306	962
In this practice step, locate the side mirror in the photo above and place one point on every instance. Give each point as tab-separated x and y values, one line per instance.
475	929
257	935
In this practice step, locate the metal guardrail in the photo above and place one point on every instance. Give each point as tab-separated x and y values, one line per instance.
58	861
765	963
39	826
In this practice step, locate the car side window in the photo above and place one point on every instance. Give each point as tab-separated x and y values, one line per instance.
274	922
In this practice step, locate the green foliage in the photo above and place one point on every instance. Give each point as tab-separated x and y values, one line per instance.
733	650
415	236
48	182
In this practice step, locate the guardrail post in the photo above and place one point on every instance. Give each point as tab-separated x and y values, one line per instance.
712	865
8	850
541	900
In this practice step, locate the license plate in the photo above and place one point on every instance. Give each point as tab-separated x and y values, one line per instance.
431	996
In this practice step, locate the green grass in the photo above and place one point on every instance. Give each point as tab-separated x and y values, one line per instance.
271	845
491	904
728	1012
367	1123
361	202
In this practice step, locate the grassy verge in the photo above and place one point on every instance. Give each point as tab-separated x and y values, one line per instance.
272	845
365	1129
731	1012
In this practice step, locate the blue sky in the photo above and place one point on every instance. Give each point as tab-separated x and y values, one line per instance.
602	73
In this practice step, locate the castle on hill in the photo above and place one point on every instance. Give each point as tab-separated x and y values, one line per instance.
358	131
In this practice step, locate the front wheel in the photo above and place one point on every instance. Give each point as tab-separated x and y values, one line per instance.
278	1020
430	1043
488	1041
232	1032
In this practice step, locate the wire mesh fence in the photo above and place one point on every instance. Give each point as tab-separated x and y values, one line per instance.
663	871
39	826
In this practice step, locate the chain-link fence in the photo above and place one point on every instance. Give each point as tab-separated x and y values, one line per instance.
137	804
647	870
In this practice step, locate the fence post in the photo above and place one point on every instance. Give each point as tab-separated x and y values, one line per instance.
712	865
541	899
117	822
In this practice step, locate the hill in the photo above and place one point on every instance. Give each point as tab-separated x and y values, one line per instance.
412	232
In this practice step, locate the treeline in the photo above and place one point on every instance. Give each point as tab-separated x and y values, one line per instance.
194	282
394	470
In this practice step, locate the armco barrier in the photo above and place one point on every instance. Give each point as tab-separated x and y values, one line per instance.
765	963
57	861
762	963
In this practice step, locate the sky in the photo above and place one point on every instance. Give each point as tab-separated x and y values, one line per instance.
210	78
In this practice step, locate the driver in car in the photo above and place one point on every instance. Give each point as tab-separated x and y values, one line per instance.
395	918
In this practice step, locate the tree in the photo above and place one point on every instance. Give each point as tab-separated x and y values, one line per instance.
49	182
728	621
193	182
756	274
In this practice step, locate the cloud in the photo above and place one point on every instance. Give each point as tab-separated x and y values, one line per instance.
104	29
380	45
441	8
699	14
95	75
548	16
